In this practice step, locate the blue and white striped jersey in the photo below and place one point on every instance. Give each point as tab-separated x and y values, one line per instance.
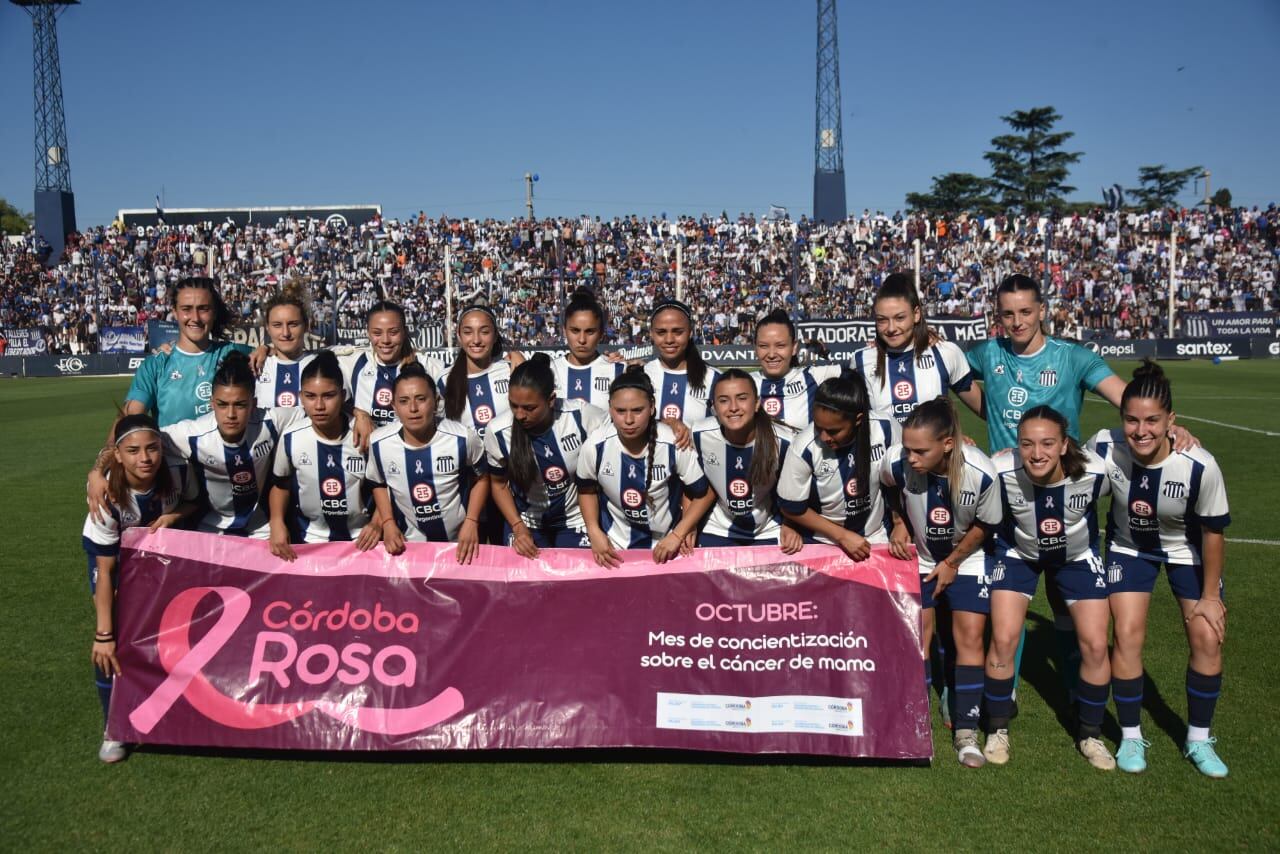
814	476
1052	525
552	502
589	384
370	383
230	479
633	517
326	482
280	382
790	399
1159	512
739	513
936	524
140	508
430	486
676	396
910	380
486	395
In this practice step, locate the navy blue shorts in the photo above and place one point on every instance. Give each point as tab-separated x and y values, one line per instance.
558	538
714	541
1079	579
966	593
1132	574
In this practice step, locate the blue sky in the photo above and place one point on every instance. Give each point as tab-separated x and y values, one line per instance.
657	107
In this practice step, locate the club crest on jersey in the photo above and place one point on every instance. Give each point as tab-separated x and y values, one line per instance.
1138	507
903	390
1050	527
1079	501
423	493
331	487
262	449
658	472
968	498
1048	378
940	516
383	396
501	386
925	361
553	474
446	464
355	465
632	498
739	488
1115	573
1174	489
483	414
601	383
571	442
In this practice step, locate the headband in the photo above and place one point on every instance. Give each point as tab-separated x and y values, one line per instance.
140	428
665	304
479	307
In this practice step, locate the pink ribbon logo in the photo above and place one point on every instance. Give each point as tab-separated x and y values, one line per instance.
184	664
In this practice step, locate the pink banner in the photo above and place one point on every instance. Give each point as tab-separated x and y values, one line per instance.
744	650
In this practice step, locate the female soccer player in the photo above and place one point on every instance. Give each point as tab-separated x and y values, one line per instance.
428	476
829	483
319	494
175	385
945	493
229	452
632	480
288	322
680	377
532	452
786	389
144	491
475	388
1049	489
741	451
371	372
584	373
905	364
1169	508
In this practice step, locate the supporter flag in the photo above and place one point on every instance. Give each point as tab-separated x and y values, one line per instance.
159	211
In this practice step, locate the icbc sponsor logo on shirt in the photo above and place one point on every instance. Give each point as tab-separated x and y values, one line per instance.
383	396
553	474
332	486
633	498
851	487
286	398
739	488
422	493
940	516
670	411
1050	527
242	477
772	405
903	390
483	414
1140	508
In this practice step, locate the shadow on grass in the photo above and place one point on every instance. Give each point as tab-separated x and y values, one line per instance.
1042	670
595	756
1162	714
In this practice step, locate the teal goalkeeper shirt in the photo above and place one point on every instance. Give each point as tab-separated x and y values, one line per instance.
1057	375
178	385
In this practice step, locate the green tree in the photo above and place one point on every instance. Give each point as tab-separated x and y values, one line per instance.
12	220
952	193
1159	187
1221	199
1029	169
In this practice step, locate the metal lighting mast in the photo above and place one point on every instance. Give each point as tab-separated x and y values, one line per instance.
828	144
55	203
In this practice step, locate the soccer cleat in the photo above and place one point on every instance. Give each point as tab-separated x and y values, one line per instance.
112	751
1096	752
1205	758
1132	755
996	749
967	750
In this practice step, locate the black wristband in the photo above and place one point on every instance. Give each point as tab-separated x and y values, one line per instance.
104	638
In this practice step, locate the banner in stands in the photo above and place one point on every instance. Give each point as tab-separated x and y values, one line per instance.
1203	348
957	329
122	339
1265	347
256	335
1211	324
24	342
161	332
1120	348
742	650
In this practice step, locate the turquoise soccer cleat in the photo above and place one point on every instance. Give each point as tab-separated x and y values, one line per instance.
1132	755
1205	758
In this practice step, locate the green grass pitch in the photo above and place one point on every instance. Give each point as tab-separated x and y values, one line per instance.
60	797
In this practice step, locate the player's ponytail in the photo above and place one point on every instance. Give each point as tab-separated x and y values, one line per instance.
1073	461
779	317
293	293
1149	383
221	314
382	306
234	372
583	299
455	384
939	416
903	287
536	375
846	395
765	457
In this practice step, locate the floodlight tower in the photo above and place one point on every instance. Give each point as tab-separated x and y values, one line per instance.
55	203
828	146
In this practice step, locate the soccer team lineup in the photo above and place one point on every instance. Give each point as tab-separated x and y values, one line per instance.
380	446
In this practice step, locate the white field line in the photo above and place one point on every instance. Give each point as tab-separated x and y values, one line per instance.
1254	542
1183	417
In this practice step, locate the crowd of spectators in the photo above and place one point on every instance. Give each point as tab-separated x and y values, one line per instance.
1109	272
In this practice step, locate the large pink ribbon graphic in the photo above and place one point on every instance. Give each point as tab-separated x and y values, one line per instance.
184	664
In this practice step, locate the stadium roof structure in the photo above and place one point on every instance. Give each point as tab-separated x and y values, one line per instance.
351	215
